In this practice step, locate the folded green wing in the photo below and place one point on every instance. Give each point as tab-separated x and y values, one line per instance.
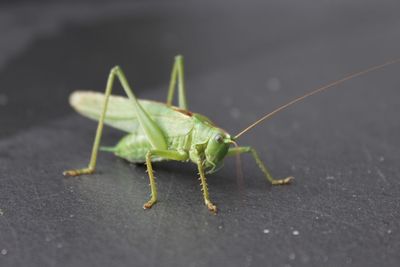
121	114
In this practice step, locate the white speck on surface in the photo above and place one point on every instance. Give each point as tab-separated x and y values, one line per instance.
273	84
389	231
1	212
220	227
330	177
3	100
295	232
59	245
266	231
235	113
381	159
71	215
292	256
4	251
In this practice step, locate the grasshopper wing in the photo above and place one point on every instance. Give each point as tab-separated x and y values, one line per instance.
121	114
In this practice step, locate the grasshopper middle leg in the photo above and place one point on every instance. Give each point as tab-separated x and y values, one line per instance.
167	154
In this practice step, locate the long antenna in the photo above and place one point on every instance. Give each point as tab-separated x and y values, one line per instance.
318	90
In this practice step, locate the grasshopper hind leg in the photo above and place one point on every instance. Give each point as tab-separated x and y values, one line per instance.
177	76
151	129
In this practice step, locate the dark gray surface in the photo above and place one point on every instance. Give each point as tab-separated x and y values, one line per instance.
242	61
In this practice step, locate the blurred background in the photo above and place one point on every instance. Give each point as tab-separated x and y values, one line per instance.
243	59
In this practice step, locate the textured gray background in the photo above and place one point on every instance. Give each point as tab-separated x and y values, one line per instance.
243	59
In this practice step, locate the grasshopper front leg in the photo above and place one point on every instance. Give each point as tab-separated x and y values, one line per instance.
263	168
204	187
151	129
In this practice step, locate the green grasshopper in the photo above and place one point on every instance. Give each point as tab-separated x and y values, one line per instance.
160	131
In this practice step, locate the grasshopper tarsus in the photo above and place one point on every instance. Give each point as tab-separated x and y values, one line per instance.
78	172
287	180
149	204
211	207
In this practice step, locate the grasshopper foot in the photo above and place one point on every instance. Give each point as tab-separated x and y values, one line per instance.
211	207
78	172
149	204
287	180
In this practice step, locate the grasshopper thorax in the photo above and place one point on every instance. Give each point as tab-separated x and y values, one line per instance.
209	143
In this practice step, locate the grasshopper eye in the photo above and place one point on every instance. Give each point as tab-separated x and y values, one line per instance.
219	138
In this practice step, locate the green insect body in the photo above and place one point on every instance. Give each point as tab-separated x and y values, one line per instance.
184	131
159	131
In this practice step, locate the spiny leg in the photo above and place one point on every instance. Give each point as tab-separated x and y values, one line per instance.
153	132
177	73
153	185
239	150
167	154
204	188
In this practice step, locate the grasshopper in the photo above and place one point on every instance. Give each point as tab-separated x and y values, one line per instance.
160	131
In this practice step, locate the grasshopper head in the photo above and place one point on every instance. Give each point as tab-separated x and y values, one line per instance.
216	150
